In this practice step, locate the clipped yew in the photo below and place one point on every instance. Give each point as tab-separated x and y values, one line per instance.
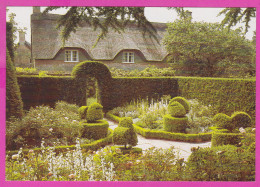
241	119
223	121
182	101
94	112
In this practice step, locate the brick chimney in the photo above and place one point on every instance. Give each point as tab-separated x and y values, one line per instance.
36	10
21	37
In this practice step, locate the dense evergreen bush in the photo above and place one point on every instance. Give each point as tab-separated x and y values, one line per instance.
175	124
183	102
241	119
126	122
121	136
95	131
83	112
223	121
225	139
14	104
94	112
176	109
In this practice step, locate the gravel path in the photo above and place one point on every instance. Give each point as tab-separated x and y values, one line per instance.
182	148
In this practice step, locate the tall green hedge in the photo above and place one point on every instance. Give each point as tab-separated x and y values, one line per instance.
48	90
14	104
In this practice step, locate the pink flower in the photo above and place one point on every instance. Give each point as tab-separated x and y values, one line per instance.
72	176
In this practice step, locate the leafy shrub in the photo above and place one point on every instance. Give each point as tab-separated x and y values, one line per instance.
14	104
83	112
219	139
94	131
241	119
182	101
26	71
176	109
130	137
121	136
59	124
223	163
223	121
174	124
94	112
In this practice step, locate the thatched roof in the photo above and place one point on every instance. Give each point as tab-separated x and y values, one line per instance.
46	41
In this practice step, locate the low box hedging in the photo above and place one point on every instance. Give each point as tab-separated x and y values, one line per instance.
91	146
159	134
219	139
94	130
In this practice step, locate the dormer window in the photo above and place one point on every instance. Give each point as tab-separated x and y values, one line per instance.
71	56
128	57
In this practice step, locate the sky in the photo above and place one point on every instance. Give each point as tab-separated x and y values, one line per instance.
153	14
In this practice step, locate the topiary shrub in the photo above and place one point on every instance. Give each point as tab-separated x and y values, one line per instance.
121	136
131	137
14	104
94	112
173	124
95	131
241	119
219	139
175	109
126	122
183	102
223	121
83	112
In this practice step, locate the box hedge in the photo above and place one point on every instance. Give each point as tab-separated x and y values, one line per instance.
59	149
174	124
219	139
83	112
121	136
94	131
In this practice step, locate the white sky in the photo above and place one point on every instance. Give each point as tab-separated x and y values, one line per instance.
153	14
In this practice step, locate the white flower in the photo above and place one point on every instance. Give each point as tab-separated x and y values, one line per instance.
72	176
51	129
30	151
253	129
66	118
242	130
15	157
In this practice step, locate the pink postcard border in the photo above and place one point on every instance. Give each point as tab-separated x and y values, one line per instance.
144	3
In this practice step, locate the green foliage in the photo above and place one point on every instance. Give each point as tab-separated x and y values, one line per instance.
241	119
37	90
126	122
224	163
54	125
236	15
26	71
14	104
150	71
91	68
223	121
219	139
83	112
183	102
121	136
206	44
224	94
94	112
175	124
176	109
94	131
131	137
10	34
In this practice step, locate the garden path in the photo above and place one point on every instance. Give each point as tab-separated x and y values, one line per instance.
183	148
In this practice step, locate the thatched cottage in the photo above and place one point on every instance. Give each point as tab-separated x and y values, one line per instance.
129	49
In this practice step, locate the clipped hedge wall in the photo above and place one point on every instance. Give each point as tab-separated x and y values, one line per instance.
174	124
226	94
219	139
37	90
91	146
95	130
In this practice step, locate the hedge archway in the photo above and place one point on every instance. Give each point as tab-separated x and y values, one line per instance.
99	71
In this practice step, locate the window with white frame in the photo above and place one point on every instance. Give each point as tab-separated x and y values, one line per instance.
71	56
128	57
